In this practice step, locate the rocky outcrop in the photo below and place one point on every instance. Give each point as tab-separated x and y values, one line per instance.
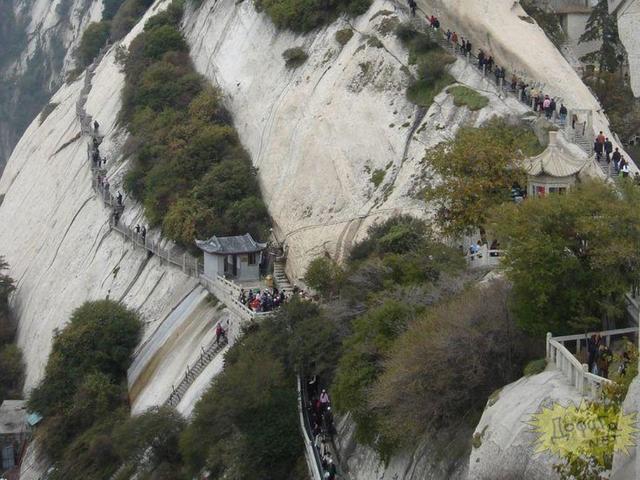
504	442
433	458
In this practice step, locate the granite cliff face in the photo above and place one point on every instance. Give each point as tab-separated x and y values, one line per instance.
38	39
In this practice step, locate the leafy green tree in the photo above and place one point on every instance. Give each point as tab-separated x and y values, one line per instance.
305	15
603	27
11	372
475	172
110	8
324	275
571	258
93	39
99	338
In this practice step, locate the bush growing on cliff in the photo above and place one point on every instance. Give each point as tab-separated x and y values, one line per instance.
85	376
11	363
190	171
93	39
305	15
465	349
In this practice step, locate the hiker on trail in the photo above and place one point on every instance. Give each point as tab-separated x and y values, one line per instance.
413	5
608	148
448	34
119	198
324	400
593	344
469	46
604	360
137	229
600	138
563	114
454	40
616	158
480	58
625	168
436	24
116	218
598	148
489	63
624	363
546	106
96	125
552	107
219	333
143	232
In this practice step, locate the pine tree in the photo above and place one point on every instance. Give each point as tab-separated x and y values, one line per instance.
602	27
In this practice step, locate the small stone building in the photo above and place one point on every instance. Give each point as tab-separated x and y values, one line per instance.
14	431
559	167
236	258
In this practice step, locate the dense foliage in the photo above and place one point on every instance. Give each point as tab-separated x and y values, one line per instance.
11	364
547	19
305	15
190	171
467	348
573	257
93	38
475	171
85	378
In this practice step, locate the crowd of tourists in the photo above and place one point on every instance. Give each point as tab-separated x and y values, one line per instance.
530	94
476	250
266	300
320	417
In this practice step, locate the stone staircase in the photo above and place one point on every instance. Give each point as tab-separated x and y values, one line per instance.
195	370
586	144
280	277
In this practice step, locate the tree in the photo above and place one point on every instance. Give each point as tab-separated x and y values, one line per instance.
447	363
93	39
573	257
475	172
603	27
324	275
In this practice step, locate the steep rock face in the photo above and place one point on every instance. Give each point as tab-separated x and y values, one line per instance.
628	466
503	28
504	442
628	14
317	133
57	239
44	35
430	459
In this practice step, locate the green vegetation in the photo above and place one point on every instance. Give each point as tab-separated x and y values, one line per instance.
477	170
294	57
305	15
377	176
571	257
85	378
546	19
324	275
190	171
431	60
93	38
465	96
11	364
128	14
343	36
535	366
603	27
466	348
